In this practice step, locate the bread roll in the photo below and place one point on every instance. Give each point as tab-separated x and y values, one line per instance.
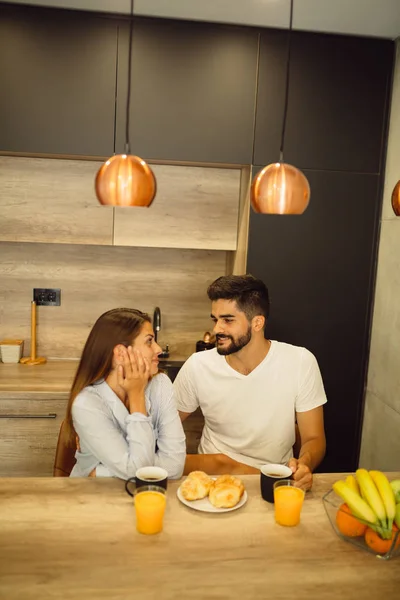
196	486
231	480
225	495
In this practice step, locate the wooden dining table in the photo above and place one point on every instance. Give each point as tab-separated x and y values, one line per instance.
76	538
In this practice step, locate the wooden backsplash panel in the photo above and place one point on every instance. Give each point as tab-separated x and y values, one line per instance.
94	279
52	200
195	207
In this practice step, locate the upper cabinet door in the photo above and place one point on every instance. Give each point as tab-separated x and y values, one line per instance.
193	91
195	207
58	78
52	201
338	96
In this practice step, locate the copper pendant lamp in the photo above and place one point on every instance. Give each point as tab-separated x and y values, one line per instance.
396	199
280	188
124	179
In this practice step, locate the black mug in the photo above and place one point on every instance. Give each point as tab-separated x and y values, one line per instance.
269	475
148	476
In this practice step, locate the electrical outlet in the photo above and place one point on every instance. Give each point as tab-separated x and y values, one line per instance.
47	296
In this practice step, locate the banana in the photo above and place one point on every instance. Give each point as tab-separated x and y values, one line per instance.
387	495
395	485
371	494
352	483
397	516
357	505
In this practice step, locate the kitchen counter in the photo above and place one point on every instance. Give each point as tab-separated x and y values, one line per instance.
55	376
76	538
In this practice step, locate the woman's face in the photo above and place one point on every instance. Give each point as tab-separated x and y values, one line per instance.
149	348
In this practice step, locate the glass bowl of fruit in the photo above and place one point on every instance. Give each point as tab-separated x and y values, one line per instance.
362	510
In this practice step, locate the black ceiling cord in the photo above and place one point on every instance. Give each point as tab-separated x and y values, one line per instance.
128	96
287	82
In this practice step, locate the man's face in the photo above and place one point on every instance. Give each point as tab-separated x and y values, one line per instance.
231	327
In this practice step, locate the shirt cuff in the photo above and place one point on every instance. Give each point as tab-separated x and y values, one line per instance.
102	471
137	416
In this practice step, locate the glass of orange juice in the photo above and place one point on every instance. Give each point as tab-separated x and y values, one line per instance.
288	502
150	501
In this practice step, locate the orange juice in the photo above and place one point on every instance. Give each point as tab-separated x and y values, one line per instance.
150	508
288	502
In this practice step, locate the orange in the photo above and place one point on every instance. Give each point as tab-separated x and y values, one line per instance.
378	545
348	524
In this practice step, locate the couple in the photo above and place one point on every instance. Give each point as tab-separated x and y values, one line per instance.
251	391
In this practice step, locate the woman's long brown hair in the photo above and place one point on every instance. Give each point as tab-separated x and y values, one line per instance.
117	326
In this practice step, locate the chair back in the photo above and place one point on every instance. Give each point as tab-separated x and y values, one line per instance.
65	455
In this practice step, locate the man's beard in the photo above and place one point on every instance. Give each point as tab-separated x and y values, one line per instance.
235	345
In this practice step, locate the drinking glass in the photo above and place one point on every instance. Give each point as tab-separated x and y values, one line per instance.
150	501
288	502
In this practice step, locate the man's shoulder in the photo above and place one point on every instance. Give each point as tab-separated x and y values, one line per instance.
205	357
285	351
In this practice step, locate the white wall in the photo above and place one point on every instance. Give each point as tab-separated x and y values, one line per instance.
380	446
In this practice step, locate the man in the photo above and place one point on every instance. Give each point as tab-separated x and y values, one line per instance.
251	390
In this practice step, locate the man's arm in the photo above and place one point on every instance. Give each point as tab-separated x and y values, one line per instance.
216	464
312	436
313	446
184	415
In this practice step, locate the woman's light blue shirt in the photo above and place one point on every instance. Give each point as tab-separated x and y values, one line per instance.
118	443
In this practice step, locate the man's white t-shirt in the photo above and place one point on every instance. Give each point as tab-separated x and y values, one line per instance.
250	418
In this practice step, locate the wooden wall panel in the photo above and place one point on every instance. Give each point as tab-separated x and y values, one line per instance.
237	261
195	207
51	200
94	279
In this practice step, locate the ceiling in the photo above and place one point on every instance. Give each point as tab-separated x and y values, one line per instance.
380	18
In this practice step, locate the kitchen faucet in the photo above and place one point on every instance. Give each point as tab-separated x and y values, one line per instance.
156	322
157	327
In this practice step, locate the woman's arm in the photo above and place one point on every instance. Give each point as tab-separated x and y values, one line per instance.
101	437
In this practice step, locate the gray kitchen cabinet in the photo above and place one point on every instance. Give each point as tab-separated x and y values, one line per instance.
193	91
338	101
29	428
319	268
193	428
57	74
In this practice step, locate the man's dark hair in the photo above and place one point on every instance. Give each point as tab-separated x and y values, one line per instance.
249	293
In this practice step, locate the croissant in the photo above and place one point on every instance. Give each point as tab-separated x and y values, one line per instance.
225	495
196	486
231	480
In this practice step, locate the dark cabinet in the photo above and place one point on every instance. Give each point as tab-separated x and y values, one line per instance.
339	92
58	78
193	91
319	268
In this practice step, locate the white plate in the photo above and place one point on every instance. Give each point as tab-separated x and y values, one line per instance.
205	505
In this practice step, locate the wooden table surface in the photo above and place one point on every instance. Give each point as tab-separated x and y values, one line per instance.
76	538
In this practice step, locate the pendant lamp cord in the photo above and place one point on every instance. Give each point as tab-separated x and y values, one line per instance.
128	96
287	82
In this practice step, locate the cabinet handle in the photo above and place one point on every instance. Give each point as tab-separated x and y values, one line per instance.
49	416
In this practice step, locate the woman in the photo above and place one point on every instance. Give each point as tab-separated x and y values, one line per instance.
121	410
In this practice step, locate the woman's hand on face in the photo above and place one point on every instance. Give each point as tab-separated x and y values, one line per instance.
134	373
